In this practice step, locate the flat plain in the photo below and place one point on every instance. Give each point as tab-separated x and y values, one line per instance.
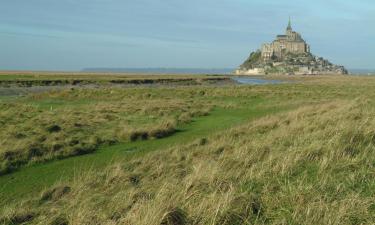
142	149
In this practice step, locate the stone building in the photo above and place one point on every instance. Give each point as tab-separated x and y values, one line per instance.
291	42
288	54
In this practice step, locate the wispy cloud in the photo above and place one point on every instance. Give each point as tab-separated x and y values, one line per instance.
216	33
24	34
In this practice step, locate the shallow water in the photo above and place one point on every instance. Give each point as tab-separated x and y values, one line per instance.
255	81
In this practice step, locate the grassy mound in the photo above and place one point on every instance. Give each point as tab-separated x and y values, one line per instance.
314	165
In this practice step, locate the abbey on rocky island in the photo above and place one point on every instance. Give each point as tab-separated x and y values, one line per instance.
288	54
291	42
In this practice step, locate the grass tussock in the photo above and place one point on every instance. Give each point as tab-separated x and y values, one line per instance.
14	216
55	193
313	165
165	129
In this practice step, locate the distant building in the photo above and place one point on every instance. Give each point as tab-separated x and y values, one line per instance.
291	42
288	54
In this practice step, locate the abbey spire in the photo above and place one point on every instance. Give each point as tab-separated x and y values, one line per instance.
289	28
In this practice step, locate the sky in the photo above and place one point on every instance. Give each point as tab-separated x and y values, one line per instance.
75	34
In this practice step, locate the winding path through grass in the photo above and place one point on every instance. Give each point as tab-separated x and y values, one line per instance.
31	180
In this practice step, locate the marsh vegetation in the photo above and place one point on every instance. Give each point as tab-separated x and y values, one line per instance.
291	153
52	125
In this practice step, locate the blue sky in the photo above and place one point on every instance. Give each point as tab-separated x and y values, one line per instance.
75	34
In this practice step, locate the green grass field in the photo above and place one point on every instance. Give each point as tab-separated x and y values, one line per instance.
293	153
33	179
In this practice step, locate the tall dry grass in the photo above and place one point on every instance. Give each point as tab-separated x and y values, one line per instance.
66	123
314	165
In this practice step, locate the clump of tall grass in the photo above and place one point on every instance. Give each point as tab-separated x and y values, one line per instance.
20	215
165	129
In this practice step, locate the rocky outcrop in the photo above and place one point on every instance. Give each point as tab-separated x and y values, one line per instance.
289	63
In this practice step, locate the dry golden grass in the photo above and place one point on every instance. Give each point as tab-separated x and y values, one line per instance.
75	122
314	165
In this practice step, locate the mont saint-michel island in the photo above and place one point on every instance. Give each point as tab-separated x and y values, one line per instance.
128	112
288	54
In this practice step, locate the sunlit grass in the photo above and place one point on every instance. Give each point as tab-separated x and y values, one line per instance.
295	153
